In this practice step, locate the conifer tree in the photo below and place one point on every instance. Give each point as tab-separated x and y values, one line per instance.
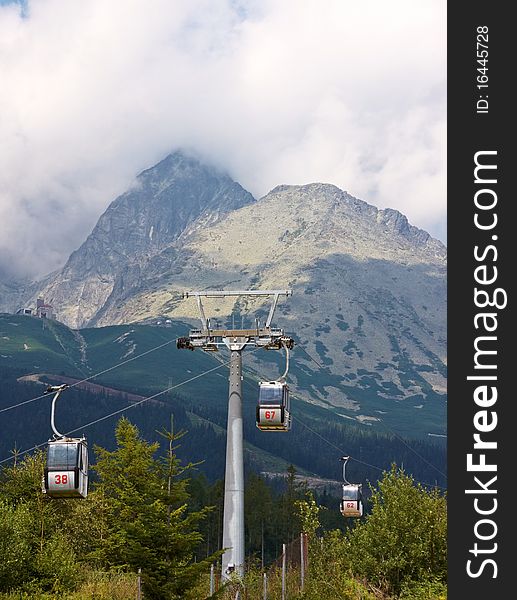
36	554
259	516
405	536
149	527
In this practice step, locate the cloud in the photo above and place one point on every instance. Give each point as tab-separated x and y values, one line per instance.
350	93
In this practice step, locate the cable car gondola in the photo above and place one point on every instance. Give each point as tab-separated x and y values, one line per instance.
66	470
352	503
273	408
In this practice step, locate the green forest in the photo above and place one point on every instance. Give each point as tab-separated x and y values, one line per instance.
314	444
151	528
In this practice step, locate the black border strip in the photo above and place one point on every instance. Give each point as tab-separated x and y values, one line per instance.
469	132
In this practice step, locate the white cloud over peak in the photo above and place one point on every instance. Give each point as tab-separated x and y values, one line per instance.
350	93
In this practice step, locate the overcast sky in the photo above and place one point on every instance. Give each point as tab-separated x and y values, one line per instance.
274	91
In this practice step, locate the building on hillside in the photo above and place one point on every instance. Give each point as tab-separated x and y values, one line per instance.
42	310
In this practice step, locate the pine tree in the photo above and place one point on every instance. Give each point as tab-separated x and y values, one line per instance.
405	536
149	527
289	527
36	553
259	516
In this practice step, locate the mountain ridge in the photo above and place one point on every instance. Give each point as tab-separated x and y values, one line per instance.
369	289
133	229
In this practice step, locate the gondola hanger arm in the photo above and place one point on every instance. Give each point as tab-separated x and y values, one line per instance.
284	376
56	390
345	460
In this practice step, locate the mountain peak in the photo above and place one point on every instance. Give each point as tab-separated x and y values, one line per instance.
168	202
180	164
369	289
340	204
185	223
395	221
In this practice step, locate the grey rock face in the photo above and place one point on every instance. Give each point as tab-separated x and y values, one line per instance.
368	309
167	204
11	295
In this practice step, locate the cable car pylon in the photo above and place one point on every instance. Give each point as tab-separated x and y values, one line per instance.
210	340
66	470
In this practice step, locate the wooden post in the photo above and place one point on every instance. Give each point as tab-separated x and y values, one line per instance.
302	561
212	586
264	586
139	585
283	570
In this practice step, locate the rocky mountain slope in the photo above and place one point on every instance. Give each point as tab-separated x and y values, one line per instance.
369	290
12	293
36	350
142	227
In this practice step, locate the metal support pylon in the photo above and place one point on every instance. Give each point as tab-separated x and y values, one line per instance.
235	340
233	515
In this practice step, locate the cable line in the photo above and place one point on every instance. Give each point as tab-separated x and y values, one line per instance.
412	449
313	359
121	410
356	459
389	429
91	376
342	452
222	364
324	439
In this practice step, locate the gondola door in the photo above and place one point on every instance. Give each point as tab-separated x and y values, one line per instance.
273	407
66	472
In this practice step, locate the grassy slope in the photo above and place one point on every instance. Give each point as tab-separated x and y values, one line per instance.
37	345
34	345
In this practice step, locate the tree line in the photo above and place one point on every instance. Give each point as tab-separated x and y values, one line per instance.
314	445
147	519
